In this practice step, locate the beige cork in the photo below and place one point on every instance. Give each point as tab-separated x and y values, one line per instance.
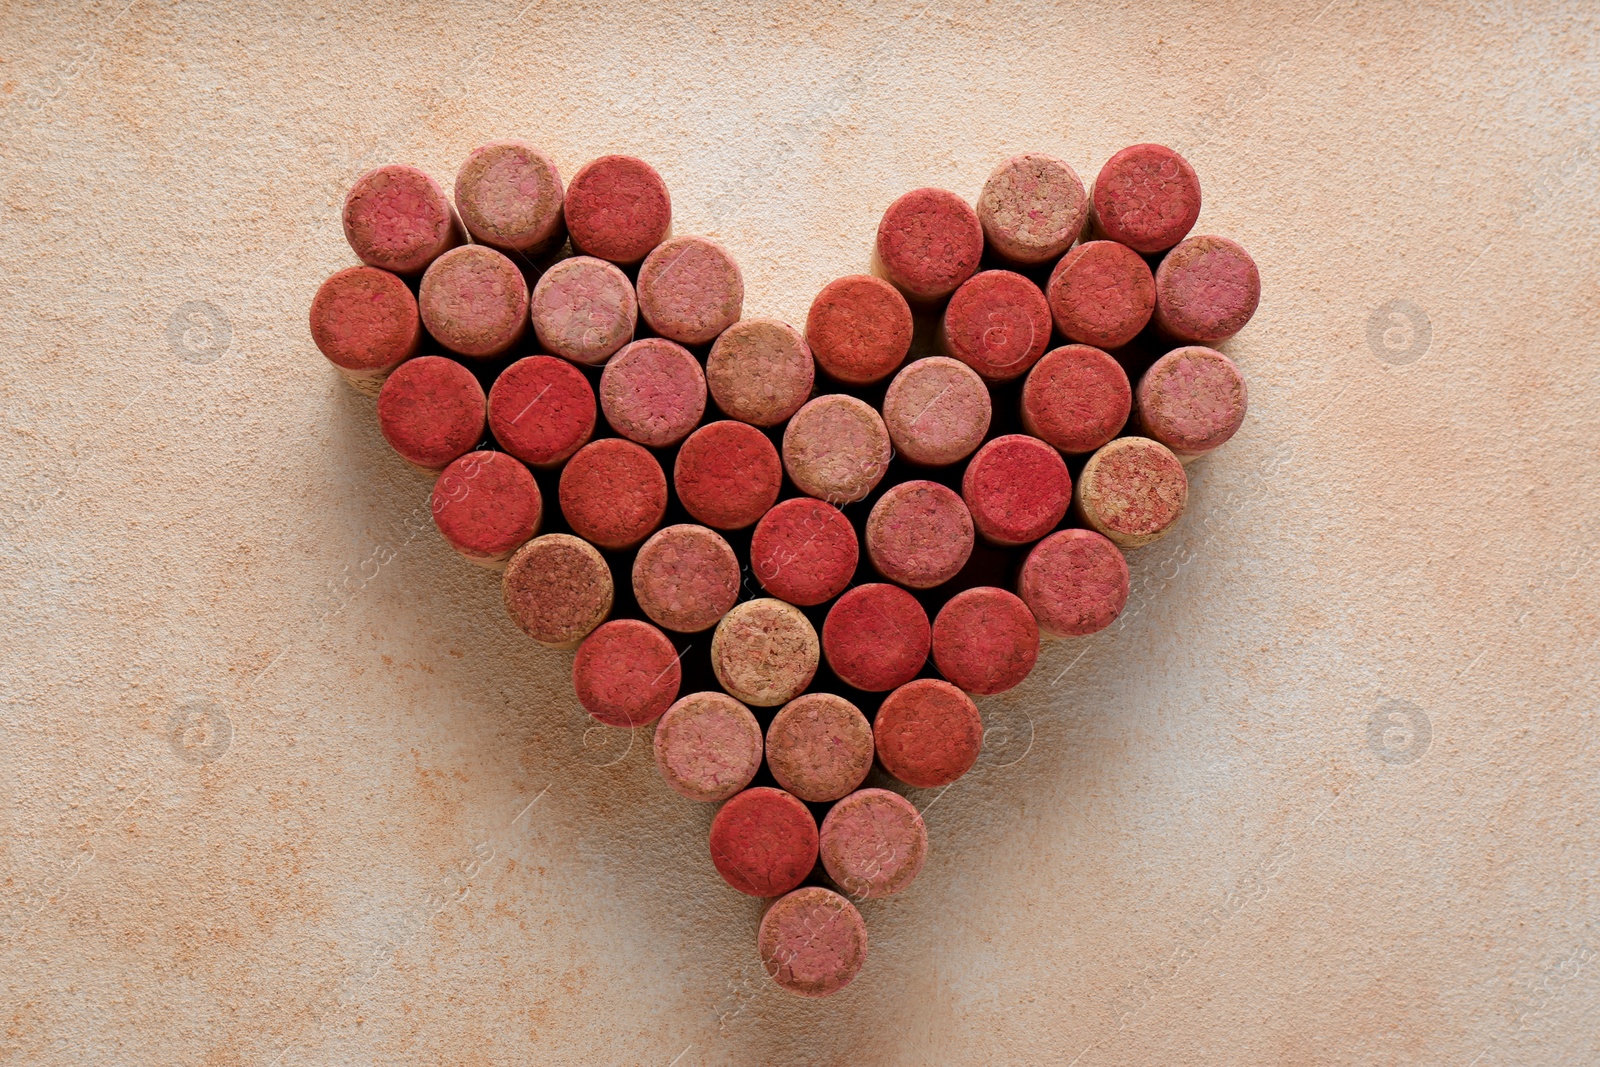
1132	491
836	448
765	652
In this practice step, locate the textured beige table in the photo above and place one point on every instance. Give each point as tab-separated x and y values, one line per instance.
282	785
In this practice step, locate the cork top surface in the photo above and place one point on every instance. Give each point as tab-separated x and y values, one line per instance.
1075	582
764	652
819	747
617	209
365	319
1033	206
686	577
1101	293
836	448
1133	490
541	410
928	733
613	492
937	411
690	290
509	196
1192	400
584	309
431	410
763	842
1147	197
876	637
804	551
708	746
873	843
929	242
1077	398
859	328
397	218
474	301
486	504
727	474
1017	489
997	323
1207	289
985	640
760	371
626	673
653	392
812	942
557	588
919	534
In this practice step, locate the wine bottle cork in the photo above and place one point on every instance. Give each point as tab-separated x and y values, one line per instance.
819	747
997	323
584	309
804	551
541	410
1076	398
876	637
1133	490
1032	208
1075	582
919	534
365	321
763	842
873	843
836	448
812	942
617	209
1017	489
727	475
474	301
1101	293
1192	400
985	640
764	652
1206	289
486	506
509	196
557	588
614	493
626	673
396	218
653	392
1147	197
690	290
708	746
859	329
685	578
937	411
929	242
928	733
760	371
431	410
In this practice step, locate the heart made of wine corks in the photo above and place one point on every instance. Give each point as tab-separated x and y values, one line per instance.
684	496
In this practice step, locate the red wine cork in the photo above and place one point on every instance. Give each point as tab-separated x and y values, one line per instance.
474	301
997	323
558	589
1075	582
937	411
541	410
690	290
859	329
836	448
1147	197
708	746
486	506
876	637
1017	488
764	652
653	392
1133	490
804	551
583	309
929	242
760	371
626	673
365	321
1032	208
614	493
812	942
985	640
398	219
1207	288
1192	400
1077	398
873	843
686	578
928	733
431	411
617	209
764	842
1101	293
819	747
727	475
509	196
919	534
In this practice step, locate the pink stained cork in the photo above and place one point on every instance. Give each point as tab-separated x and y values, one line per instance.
997	323
541	410
1076	398
1032	208
804	551
873	843
1207	288
1147	197
919	534
653	392
486	506
584	309
614	493
708	746
365	321
1101	293
928	733
617	209
937	411
509	196
557	588
1192	400
819	747
985	640
876	637
690	290
1017	488
836	448
626	673
431	410
764	842
686	578
727	475
474	301
760	371
397	218
1075	582
929	242
859	329
764	652
1133	490
812	942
